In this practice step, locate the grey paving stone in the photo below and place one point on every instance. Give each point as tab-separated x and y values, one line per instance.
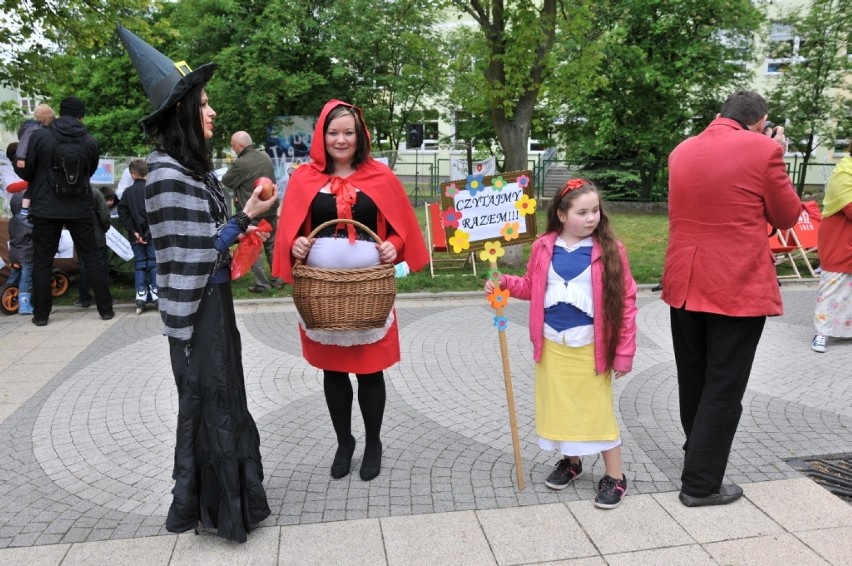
91	451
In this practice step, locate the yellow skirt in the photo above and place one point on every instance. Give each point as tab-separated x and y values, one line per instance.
572	402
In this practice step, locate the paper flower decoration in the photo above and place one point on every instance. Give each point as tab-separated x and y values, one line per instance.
494	275
526	205
492	251
499	298
510	231
523	181
451	190
498	183
501	322
451	217
474	184
460	241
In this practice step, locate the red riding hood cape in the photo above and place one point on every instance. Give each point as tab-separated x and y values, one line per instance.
375	179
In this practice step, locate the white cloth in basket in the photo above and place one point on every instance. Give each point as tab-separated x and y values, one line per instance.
339	253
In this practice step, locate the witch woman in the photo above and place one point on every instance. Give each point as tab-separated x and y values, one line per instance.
217	470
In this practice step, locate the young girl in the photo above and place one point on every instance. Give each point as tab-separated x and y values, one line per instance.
583	330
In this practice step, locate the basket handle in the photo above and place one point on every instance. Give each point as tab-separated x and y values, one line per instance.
328	223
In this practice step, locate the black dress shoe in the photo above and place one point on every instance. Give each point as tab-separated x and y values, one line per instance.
39	321
728	493
371	465
343	459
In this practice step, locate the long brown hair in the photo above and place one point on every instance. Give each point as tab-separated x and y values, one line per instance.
613	273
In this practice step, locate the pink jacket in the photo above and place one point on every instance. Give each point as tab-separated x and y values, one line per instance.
531	287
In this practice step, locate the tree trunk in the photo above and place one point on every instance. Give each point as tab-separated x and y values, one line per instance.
514	135
806	157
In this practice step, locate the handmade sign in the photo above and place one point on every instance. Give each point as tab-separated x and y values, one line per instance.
482	209
484	213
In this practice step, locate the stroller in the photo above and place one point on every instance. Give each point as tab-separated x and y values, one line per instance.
59	283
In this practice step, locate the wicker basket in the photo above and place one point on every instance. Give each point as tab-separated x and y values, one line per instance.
344	299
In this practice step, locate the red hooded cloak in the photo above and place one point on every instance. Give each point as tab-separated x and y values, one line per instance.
396	224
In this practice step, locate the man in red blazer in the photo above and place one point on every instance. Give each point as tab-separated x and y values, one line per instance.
719	278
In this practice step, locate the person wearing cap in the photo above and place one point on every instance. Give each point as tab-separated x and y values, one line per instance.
251	164
50	212
217	467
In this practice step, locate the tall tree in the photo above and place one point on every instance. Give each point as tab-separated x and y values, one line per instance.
33	32
518	38
663	69
273	58
813	93
392	53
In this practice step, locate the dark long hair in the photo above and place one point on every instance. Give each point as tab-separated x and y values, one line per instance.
362	149
613	273
180	134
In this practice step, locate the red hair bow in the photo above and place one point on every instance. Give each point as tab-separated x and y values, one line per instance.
571	185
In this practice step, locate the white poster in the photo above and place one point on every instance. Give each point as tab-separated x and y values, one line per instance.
66	246
458	168
119	244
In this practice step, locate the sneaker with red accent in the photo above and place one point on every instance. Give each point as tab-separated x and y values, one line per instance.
610	492
564	473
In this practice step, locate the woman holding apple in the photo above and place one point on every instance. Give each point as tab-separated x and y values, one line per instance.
217	468
344	181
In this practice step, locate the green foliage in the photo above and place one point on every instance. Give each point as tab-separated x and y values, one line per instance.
510	58
616	183
272	58
34	32
389	49
115	99
11	116
662	70
811	97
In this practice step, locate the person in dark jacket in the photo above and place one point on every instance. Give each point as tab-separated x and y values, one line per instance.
50	211
102	224
131	211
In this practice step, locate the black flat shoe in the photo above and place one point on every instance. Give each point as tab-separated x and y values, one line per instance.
728	493
343	459
371	465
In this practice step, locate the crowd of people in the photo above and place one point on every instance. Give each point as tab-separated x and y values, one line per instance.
725	185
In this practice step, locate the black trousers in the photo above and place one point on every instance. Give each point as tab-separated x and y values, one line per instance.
46	235
714	355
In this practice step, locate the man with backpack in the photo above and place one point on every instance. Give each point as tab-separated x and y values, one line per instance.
60	161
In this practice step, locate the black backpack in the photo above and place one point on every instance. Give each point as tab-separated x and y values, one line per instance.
69	166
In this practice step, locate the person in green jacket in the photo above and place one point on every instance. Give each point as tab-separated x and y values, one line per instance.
251	163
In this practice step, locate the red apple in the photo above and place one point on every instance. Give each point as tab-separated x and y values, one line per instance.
268	187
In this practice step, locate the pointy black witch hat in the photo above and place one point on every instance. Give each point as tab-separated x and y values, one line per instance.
165	81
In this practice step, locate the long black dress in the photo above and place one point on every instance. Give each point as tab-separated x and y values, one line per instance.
218	473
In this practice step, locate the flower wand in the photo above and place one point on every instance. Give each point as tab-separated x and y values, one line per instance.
499	298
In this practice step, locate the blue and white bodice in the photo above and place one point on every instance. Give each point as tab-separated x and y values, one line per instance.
568	303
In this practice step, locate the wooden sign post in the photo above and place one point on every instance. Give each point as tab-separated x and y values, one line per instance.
480	213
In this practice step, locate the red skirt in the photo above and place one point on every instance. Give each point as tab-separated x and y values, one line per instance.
368	358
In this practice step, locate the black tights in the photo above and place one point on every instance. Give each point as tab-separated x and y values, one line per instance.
371	399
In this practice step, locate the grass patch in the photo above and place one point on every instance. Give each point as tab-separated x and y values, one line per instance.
644	235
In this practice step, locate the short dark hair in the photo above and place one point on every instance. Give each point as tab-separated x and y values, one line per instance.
746	106
108	193
11	150
138	167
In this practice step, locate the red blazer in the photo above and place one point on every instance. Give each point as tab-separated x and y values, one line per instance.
725	184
